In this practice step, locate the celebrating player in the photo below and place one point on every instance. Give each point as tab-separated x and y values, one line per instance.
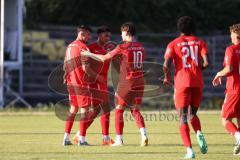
131	82
231	70
99	78
78	83
187	52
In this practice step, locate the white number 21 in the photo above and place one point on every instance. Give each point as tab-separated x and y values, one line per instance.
191	51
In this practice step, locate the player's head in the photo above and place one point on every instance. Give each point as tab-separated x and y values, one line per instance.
84	33
235	33
128	30
186	25
104	34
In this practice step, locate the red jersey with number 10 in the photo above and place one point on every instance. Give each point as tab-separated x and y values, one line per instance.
133	54
232	57
186	53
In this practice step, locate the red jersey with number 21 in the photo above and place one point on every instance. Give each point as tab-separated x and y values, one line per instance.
186	52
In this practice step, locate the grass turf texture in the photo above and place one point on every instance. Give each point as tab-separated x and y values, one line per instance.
28	135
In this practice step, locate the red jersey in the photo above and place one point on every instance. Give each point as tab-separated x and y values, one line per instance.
101	68
186	53
232	57
74	68
132	54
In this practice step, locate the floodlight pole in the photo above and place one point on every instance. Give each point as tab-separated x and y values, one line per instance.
2	56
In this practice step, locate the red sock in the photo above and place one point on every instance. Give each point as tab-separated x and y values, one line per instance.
185	134
238	129
231	128
105	123
196	123
83	126
138	118
119	122
69	123
91	115
87	121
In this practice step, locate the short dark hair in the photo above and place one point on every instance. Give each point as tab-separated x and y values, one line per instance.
103	29
84	28
129	27
235	29
186	25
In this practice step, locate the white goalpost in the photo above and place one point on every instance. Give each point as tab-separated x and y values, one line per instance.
11	42
2	55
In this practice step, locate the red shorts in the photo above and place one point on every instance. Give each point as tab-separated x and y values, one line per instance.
100	92
129	96
231	106
82	96
184	97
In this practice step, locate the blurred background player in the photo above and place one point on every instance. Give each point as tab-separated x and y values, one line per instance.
99	77
77	79
131	82
231	70
187	52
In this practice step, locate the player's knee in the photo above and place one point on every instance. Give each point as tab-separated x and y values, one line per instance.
183	115
193	112
73	110
183	119
120	107
136	107
225	120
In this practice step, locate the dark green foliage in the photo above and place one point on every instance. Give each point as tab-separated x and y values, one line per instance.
149	15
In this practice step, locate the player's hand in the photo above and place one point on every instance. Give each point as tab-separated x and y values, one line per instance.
167	80
84	58
205	65
85	53
217	80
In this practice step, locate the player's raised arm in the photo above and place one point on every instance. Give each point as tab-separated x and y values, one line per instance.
101	58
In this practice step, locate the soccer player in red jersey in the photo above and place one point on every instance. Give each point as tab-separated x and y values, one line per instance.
99	78
189	55
231	70
131	81
77	79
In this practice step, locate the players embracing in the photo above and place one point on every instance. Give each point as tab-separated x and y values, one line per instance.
99	85
131	81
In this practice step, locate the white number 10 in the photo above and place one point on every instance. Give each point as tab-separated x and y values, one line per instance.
191	51
137	59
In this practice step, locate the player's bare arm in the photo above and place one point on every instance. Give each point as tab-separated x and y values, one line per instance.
101	58
218	78
166	71
205	62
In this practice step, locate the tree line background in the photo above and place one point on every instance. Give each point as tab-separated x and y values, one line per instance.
148	15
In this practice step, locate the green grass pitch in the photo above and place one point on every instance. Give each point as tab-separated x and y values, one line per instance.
29	135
